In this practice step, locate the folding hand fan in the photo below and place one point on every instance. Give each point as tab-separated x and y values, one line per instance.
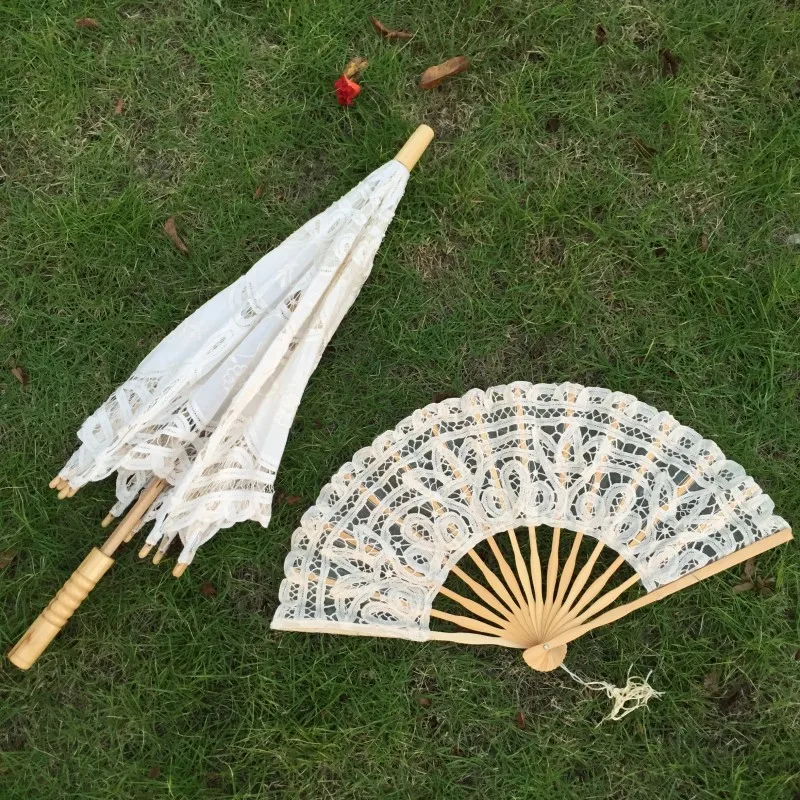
202	422
599	468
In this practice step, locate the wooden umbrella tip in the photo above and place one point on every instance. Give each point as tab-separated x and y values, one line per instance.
178	570
157	557
144	552
54	483
64	493
107	520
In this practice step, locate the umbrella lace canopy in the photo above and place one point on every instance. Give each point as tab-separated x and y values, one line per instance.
209	409
198	430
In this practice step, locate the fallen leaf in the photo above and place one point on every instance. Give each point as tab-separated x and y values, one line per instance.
354	67
154	773
119	107
292	499
749	568
669	63
553	124
87	22
765	587
424	702
645	151
169	229
433	76
20	374
702	243
6	557
388	33
259	192
744	586
600	35
207	589
519	720
711	682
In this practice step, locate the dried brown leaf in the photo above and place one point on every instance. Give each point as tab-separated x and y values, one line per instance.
744	586
20	374
600	35
354	67
669	63
119	108
207	589
553	124
645	151
87	22
389	33
702	243
424	702
519	720
711	682
433	76
292	499
171	231
749	568
6	557
259	192
154	773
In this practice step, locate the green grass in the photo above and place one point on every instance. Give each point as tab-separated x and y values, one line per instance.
517	253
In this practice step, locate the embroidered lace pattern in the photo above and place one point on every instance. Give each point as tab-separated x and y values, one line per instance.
371	555
209	409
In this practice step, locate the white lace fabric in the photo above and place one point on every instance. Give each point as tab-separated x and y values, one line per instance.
370	556
209	409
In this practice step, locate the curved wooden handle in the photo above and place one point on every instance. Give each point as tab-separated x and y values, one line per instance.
36	639
416	145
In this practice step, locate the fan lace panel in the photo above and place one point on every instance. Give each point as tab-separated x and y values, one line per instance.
389	528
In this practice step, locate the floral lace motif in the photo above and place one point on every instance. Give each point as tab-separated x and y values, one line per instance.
209	409
373	552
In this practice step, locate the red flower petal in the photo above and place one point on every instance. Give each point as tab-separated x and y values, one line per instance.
346	91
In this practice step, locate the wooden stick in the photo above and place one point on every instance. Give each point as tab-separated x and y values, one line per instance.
416	145
471	638
536	570
47	625
731	560
565	577
594	589
579	583
107	520
468	622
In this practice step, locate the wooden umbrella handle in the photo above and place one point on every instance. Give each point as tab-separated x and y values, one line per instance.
47	625
416	145
35	641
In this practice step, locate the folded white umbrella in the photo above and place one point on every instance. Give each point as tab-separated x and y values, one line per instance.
202	423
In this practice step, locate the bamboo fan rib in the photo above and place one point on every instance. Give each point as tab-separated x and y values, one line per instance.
527	514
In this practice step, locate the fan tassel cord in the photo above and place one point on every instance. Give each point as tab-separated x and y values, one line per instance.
637	692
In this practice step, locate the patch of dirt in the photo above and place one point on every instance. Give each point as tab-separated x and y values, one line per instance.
449	119
433	260
547	250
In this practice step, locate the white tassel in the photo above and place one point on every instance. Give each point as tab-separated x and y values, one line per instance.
636	692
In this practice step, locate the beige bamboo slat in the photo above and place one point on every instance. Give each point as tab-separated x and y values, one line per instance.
731	560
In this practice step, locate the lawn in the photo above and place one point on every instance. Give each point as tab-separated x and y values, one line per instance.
584	214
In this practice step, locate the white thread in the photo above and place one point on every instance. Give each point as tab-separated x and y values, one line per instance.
636	692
